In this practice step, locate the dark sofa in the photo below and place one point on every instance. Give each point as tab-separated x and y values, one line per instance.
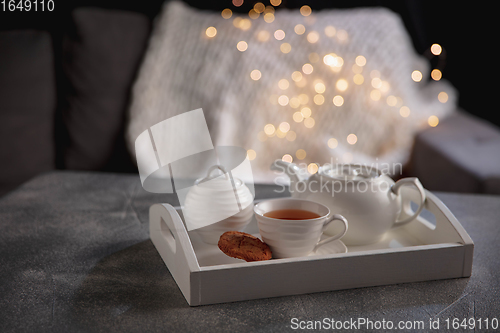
65	89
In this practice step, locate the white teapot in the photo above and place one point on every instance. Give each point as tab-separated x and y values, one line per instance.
367	198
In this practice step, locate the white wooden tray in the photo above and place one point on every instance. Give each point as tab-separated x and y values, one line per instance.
434	246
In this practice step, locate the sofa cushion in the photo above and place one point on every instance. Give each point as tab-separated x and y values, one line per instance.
27	106
101	53
462	154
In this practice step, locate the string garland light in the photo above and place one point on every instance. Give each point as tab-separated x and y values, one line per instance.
331	60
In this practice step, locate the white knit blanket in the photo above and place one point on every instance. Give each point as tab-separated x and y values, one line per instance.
184	69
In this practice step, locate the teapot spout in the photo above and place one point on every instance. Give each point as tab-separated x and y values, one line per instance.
290	169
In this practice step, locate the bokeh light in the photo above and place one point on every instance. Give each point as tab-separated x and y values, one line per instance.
279	34
433	121
242	46
342	85
333	143
360	61
338	100
436	49
299	29
255	75
309	122
443	97
211	32
269	129
251	154
312	168
416	76
313	37
305	10
227	13
300	154
287	158
352	139
283	84
285	48
307	68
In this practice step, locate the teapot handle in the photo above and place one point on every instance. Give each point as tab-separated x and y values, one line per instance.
412	181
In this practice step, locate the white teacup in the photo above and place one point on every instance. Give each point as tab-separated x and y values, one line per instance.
289	238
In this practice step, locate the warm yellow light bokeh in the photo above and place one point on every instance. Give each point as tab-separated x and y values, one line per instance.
211	32
352	139
342	85
330	31
259	7
307	68
319	99
433	121
287	158
251	154
291	136
436	74
269	17
283	100
255	75
263	36
313	37
358	79
338	100
284	127
333	143
227	13
285	48
309	122
296	76
360	61
279	34
283	84
299	29
416	76
305	10
298	117
242	46
404	111
312	168
306	112
269	129
436	49
319	87
443	97
300	154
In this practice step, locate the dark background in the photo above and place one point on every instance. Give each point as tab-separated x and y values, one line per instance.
466	31
66	78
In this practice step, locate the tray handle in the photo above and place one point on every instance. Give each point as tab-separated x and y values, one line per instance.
170	237
447	228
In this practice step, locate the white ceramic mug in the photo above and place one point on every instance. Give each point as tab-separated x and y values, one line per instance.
295	238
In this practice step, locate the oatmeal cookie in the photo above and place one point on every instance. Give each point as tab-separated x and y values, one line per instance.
244	246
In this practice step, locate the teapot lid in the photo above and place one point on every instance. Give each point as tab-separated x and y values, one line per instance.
216	182
349	172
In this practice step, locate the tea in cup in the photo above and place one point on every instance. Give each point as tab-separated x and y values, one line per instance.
293	227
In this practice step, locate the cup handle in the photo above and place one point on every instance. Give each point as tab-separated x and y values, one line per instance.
334	217
412	181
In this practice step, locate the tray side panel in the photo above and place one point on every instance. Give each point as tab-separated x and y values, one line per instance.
303	277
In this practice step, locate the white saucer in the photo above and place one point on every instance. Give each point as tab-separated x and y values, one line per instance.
329	248
336	246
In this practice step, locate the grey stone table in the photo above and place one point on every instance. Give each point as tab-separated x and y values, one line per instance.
75	255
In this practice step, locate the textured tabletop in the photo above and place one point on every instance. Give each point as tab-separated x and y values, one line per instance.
75	255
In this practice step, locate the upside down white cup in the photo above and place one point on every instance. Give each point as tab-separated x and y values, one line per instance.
295	238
